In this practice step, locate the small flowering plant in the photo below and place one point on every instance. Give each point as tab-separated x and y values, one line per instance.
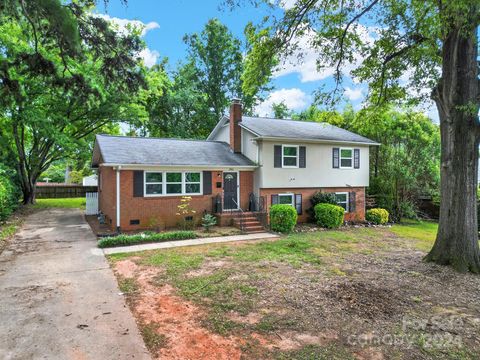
184	209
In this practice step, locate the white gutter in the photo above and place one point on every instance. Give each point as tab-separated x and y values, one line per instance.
298	140
179	167
118	196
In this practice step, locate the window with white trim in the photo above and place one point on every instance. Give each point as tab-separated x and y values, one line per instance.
153	183
173	183
287	199
346	158
342	200
162	183
192	183
289	156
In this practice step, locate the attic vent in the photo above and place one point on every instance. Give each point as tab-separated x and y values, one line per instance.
135	222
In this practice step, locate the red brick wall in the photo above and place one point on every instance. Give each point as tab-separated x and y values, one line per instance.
307	193
235	130
106	194
160	211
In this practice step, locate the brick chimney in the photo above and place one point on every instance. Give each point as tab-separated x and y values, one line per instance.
235	130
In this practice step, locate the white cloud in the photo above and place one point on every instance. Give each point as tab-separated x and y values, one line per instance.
123	26
294	98
149	56
353	94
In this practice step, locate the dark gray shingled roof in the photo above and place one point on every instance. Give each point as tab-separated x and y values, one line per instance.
294	129
169	152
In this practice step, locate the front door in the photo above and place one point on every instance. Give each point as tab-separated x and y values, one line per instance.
230	191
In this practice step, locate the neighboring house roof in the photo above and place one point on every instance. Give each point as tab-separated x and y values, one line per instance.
124	150
295	129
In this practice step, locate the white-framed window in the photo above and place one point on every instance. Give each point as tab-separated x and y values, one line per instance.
172	183
342	200
346	158
290	156
193	182
287	199
153	183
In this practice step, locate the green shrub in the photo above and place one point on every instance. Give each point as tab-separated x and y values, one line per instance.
377	216
320	198
329	216
282	218
208	221
124	239
9	194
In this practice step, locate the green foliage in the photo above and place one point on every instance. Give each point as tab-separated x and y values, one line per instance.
65	76
320	198
329	216
55	173
208	221
377	216
281	111
123	239
9	194
283	218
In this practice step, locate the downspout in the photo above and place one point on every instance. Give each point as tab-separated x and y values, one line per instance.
118	197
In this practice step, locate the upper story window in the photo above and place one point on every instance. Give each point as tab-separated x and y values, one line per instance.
289	156
346	158
172	183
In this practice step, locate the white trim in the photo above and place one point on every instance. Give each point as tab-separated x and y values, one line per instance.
347	203
158	168
340	158
287	194
314	141
238	188
297	157
117	171
164	183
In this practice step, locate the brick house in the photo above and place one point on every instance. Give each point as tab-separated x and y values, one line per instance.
245	165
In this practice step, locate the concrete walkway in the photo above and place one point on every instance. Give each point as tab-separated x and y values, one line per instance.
58	297
202	241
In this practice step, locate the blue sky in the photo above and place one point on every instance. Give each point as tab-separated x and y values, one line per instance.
166	22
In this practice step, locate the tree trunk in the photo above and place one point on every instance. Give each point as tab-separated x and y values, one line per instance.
456	97
28	190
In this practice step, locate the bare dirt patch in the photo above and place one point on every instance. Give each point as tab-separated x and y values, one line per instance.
176	319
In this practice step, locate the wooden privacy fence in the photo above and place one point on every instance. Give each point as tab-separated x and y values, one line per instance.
63	191
91	203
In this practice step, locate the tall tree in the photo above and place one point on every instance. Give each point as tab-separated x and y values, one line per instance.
435	45
281	111
64	74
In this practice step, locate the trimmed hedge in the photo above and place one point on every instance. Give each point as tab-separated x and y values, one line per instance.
123	239
9	194
283	218
329	216
377	216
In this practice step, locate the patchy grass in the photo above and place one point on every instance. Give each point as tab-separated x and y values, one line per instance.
420	233
10	227
154	341
71	203
128	286
302	296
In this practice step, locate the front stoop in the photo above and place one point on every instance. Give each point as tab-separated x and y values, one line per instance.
250	222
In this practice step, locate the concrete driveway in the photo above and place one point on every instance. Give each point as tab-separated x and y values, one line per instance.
58	297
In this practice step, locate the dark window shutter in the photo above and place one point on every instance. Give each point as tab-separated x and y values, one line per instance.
138	183
352	202
277	156
336	158
207	182
274	199
298	203
303	157
356	158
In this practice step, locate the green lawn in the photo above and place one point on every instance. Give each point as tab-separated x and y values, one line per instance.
421	233
71	203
